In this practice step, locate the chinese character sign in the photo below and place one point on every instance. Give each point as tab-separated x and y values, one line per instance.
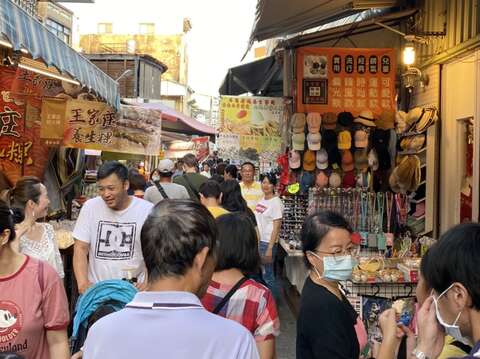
21	152
345	79
255	120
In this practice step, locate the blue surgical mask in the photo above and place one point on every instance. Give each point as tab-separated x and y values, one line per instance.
450	329
336	268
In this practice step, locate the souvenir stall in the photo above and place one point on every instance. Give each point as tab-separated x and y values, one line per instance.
351	152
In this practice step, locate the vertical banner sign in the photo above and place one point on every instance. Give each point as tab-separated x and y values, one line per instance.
251	122
53	121
345	79
200	145
21	152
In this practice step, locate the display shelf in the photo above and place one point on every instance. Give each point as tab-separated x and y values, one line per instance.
382	290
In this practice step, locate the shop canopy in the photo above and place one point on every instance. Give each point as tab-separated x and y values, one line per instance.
177	122
278	18
262	77
25	32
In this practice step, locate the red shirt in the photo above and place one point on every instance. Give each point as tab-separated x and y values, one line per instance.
252	305
27	311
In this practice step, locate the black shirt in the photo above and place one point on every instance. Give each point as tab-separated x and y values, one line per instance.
326	325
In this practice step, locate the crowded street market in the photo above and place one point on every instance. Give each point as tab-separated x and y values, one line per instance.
321	200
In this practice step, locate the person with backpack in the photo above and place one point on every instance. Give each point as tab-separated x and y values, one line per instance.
232	293
163	187
191	179
33	304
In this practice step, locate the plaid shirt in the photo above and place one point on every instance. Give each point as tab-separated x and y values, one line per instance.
252	305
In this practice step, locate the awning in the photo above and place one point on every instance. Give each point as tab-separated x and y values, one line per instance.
276	18
174	121
262	77
25	32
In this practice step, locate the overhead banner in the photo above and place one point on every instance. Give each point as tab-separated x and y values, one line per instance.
345	79
251	123
96	126
21	153
201	147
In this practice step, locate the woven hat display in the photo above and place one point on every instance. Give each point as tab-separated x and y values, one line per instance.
401	122
406	176
413	143
366	118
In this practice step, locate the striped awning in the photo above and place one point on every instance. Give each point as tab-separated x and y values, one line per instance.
24	31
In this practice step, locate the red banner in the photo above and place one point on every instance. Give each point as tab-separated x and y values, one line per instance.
345	79
200	146
21	153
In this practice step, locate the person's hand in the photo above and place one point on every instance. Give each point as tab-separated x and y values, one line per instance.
267	258
431	336
141	286
82	287
388	324
77	355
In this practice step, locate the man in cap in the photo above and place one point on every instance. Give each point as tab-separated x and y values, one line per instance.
164	188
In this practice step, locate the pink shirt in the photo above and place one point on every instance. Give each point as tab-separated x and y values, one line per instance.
27	311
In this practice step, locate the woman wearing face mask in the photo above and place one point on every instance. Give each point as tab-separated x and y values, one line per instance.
30	202
326	321
33	305
451	269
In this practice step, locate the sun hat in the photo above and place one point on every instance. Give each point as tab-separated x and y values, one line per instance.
386	121
366	118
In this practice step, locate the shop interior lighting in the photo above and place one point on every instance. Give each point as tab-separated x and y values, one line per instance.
409	54
10	46
48	74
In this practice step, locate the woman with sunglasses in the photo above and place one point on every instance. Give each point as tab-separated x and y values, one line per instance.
326	321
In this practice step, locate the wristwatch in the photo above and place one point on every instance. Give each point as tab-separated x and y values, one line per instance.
417	354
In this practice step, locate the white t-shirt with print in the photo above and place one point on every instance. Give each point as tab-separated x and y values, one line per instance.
114	238
266	211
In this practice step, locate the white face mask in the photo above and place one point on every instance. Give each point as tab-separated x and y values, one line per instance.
450	329
155	178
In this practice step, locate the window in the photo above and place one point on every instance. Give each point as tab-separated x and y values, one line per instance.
147	29
104	28
58	29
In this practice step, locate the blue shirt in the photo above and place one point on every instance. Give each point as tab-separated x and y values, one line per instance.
171	325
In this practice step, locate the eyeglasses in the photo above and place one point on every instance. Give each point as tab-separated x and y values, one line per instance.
352	251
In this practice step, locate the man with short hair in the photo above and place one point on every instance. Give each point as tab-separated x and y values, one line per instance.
191	180
251	190
231	173
211	197
164	188
168	320
107	232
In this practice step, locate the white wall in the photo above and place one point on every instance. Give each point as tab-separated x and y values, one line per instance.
459	100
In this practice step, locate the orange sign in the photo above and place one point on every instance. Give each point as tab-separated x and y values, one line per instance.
345	79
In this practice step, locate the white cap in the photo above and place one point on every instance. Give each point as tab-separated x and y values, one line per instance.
166	166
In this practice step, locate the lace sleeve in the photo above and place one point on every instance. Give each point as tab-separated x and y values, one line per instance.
58	258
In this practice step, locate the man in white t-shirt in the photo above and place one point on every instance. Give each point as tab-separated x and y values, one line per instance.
107	231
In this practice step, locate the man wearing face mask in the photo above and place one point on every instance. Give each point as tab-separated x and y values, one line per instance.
326	321
451	268
163	187
168	320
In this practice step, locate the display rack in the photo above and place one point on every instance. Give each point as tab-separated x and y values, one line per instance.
385	290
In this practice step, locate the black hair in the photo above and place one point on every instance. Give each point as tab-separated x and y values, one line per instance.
316	227
26	189
173	234
210	189
232	199
153	172
112	167
237	244
220	170
7	220
232	170
218	178
247	164
454	258
272	178
137	181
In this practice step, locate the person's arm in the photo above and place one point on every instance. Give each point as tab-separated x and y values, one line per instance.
266	349
431	337
58	344
392	335
80	265
277	224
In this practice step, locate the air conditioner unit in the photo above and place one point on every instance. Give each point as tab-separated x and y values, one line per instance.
369	4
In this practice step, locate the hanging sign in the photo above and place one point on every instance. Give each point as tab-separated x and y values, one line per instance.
345	79
253	121
201	148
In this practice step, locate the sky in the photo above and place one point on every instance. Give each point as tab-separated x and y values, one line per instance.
217	41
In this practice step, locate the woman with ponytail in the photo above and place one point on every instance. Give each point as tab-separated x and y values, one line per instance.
29	202
33	305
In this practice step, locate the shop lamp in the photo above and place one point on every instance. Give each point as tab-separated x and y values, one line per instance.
10	46
48	74
409	54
